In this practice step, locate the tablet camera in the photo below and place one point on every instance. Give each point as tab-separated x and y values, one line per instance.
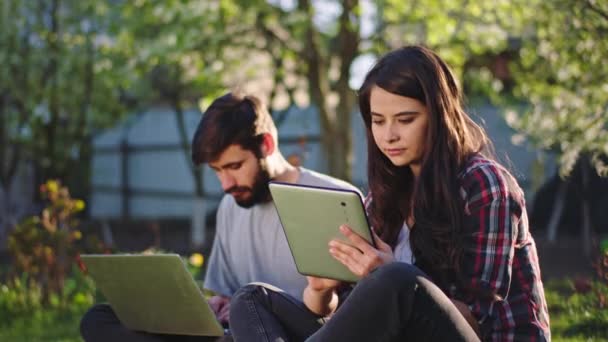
343	204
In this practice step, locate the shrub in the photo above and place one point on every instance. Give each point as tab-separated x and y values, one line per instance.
45	249
578	308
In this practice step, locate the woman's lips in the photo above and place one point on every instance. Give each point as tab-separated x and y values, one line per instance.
394	151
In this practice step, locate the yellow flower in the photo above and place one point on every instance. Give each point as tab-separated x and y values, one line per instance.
52	186
77	235
78	205
197	259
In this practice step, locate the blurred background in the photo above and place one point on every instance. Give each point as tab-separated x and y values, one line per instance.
99	101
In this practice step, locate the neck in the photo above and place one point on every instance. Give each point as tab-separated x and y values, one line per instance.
280	170
415	170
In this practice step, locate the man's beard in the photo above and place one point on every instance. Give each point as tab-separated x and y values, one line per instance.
260	193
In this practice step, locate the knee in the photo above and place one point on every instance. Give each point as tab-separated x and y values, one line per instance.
249	293
397	275
92	319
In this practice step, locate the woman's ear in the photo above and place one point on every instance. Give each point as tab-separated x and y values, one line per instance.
268	146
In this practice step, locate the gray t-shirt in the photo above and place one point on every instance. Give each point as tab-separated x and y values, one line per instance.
250	245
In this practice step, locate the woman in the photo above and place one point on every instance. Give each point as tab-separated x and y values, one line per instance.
454	257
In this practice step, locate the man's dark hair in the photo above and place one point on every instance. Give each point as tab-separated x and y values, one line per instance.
231	119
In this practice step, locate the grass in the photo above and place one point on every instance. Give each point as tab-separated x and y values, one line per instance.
578	310
43	326
578	313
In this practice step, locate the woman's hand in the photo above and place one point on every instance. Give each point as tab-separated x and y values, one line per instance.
468	315
359	256
322	284
320	295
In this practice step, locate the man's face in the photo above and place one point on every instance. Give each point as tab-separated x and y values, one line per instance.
242	175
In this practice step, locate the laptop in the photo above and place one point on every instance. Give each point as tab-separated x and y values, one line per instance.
153	293
311	217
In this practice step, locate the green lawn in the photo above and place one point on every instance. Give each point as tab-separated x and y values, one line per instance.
43	327
575	316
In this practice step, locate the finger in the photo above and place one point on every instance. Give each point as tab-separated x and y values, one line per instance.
225	310
359	263
383	246
312	279
344	248
317	284
353	264
214	303
356	239
352	256
224	315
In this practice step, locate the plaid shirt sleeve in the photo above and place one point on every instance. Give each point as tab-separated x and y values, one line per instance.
491	215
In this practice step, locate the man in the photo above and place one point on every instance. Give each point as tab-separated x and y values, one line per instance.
237	138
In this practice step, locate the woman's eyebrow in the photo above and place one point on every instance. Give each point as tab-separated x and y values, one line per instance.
403	113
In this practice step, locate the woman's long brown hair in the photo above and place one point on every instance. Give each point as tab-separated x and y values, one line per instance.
452	138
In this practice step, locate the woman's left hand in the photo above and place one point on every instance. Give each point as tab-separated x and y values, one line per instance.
359	256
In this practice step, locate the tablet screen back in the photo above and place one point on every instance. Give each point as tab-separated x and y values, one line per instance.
153	293
311	217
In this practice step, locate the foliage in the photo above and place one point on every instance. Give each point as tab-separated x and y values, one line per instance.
601	264
22	297
44	326
176	53
24	316
309	52
561	72
578	310
45	247
60	79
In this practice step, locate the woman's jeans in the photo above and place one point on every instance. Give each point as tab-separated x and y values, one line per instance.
396	302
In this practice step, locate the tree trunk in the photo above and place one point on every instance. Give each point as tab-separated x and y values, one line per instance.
336	136
585	208
556	213
348	47
197	173
50	168
199	207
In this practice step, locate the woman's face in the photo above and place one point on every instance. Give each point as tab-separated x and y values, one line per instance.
399	126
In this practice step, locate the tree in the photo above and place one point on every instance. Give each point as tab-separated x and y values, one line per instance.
60	80
322	53
176	51
304	52
562	74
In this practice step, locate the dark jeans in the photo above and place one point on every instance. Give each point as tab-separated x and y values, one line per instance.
396	302
100	323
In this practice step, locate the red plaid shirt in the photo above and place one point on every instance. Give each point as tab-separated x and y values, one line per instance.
500	256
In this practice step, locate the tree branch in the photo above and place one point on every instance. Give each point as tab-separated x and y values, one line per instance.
596	9
273	36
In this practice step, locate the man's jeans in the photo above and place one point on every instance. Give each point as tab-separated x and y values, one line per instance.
100	323
396	302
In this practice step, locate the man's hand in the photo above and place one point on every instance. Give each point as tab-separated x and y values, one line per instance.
221	307
359	256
